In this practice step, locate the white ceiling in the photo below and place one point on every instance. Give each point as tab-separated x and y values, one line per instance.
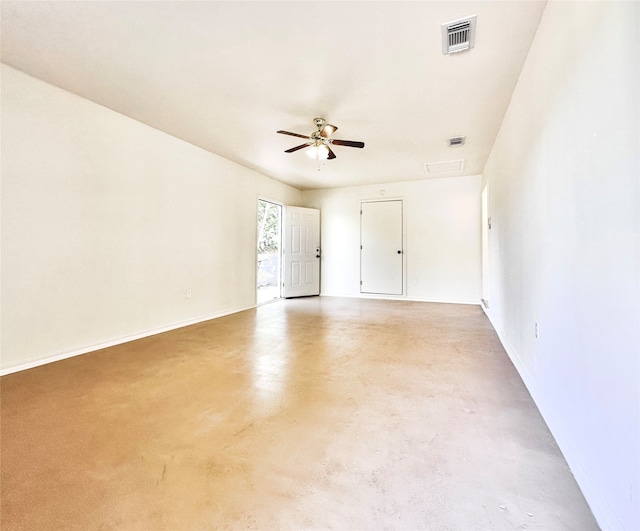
226	75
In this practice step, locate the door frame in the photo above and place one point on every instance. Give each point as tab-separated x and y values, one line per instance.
486	227
404	249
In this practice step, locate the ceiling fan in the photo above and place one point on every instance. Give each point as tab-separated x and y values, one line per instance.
319	143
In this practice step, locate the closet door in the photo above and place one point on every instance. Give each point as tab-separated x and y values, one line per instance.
381	250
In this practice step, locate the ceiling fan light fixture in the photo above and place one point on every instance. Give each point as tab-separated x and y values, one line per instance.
320	152
323	152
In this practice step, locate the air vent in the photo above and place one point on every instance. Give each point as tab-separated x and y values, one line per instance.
456	141
459	35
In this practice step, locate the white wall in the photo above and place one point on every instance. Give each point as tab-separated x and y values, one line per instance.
564	248
107	222
442	237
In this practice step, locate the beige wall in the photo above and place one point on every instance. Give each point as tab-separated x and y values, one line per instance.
564	245
442	237
107	222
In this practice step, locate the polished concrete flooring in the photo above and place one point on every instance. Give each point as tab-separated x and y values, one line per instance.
314	413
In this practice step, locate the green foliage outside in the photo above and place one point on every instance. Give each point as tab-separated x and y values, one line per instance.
268	227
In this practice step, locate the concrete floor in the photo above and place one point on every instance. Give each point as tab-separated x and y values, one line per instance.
322	413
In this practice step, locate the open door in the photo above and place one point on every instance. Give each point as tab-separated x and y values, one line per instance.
301	252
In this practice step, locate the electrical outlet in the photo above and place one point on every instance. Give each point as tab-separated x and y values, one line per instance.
187	294
536	330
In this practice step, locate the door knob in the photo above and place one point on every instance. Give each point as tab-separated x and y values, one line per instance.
399	252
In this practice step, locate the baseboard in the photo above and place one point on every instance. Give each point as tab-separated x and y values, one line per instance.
444	301
400	298
106	344
600	508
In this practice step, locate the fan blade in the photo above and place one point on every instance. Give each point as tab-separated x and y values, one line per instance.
350	143
293	134
298	147
328	130
332	155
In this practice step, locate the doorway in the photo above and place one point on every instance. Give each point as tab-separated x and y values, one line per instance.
381	247
486	226
269	270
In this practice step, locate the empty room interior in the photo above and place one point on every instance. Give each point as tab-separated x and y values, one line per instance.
320	265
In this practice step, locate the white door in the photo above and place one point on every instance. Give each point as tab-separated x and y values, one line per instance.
302	252
381	250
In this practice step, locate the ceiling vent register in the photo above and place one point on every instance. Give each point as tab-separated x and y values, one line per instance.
458	35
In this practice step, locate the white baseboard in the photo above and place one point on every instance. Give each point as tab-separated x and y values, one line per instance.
601	510
399	298
111	343
444	301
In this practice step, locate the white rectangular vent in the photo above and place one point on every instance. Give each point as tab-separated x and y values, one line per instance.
448	166
459	35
